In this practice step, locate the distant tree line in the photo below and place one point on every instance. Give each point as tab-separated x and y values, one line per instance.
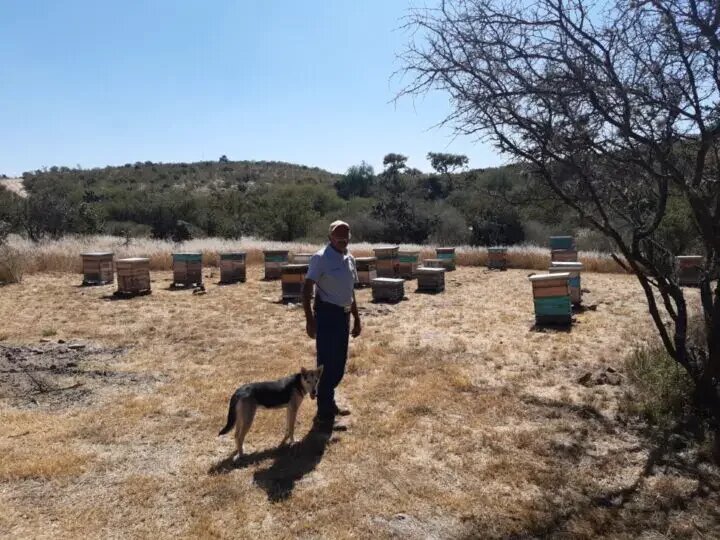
280	201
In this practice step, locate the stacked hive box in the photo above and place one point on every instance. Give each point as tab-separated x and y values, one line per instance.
388	263
187	269
497	258
430	279
562	249
433	263
409	262
551	294
274	260
388	289
98	268
447	256
366	270
574	269
293	277
133	276
689	269
232	267
302	258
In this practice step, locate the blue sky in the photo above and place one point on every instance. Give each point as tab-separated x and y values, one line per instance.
100	83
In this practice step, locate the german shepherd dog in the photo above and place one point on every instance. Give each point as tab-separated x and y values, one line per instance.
287	392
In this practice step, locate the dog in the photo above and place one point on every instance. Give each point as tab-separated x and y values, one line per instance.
287	392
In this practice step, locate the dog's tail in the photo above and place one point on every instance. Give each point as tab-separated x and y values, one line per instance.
231	414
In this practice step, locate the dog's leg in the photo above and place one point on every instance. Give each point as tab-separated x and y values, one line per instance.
292	411
245	416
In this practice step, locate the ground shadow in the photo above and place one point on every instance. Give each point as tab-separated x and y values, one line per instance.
291	463
114	296
431	293
583	308
556	328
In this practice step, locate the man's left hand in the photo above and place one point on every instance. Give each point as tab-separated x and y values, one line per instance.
357	328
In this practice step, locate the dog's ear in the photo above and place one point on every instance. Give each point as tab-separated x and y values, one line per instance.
303	371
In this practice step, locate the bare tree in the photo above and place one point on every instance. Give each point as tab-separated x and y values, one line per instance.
613	105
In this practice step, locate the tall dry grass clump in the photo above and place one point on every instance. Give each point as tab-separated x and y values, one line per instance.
63	255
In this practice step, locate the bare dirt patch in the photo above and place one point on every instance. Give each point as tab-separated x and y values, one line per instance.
52	376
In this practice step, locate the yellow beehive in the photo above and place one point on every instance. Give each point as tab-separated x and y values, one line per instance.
293	278
366	270
388	262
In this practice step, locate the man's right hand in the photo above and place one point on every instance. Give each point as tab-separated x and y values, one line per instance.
311	327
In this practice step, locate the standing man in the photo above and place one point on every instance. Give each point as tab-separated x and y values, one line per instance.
333	275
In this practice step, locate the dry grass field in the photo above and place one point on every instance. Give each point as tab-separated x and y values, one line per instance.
466	421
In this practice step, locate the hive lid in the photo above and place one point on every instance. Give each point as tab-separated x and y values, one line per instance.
134	259
276	251
445	249
387	247
365	259
388	281
96	253
547	277
426	270
690	257
566	265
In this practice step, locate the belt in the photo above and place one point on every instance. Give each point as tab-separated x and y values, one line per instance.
346	309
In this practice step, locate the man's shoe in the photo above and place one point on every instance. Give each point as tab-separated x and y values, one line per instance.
337	411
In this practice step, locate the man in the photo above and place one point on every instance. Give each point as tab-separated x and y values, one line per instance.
333	275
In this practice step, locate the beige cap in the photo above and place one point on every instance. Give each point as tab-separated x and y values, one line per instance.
335	224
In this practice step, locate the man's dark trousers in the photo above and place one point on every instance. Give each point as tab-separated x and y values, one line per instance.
333	333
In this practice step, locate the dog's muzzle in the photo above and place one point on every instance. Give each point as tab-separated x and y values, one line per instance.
313	393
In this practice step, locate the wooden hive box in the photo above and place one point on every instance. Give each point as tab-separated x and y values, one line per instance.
433	263
430	279
366	269
388	289
551	296
133	276
274	260
302	258
562	249
447	256
689	269
232	267
98	268
388	261
292	278
187	269
574	269
497	258
409	262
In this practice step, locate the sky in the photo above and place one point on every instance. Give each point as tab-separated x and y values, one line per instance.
94	83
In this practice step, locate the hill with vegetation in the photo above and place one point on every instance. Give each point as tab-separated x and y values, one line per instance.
280	201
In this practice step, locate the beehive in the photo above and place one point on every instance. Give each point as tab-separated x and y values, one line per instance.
388	262
430	279
292	277
551	295
366	270
409	262
302	258
232	267
562	249
98	268
447	256
133	276
497	258
274	260
388	289
433	263
187	269
689	269
574	269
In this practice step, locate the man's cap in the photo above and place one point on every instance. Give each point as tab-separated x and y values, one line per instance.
335	224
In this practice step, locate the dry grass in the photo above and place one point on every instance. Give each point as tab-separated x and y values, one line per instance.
466	423
64	255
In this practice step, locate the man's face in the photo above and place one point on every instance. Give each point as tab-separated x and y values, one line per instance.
340	238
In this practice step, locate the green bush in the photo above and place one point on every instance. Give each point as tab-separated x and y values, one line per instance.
662	389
